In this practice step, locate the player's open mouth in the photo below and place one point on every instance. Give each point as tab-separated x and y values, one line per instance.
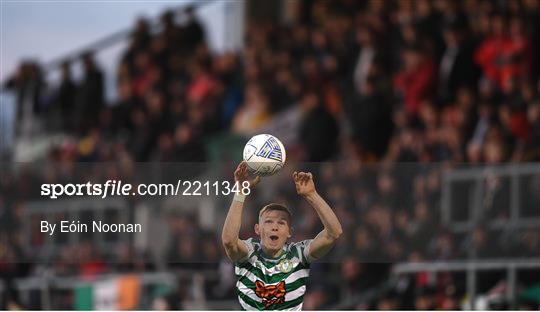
274	238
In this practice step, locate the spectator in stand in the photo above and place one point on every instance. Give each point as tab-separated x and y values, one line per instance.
521	49
425	299
318	130
192	33
202	89
533	146
171	31
416	79
140	41
369	59
28	84
89	261
369	114
146	74
388	301
91	96
127	101
504	55
187	146
456	68
139	140
529	245
65	100
254	112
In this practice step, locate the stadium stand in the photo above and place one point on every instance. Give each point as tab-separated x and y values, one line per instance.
421	120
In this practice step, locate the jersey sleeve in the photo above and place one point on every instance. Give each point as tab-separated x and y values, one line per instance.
303	250
250	248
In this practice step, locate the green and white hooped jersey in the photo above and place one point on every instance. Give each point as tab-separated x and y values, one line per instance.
273	284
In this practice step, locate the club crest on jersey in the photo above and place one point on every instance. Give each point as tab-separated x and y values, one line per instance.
285	266
271	150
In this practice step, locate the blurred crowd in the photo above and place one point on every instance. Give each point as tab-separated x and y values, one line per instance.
385	82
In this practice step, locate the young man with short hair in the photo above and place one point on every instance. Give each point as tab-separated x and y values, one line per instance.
272	273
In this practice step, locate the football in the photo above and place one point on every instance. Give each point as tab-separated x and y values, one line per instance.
264	154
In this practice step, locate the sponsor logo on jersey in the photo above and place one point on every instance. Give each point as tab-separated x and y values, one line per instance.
270	294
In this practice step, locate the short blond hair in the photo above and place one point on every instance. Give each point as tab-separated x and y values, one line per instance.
278	207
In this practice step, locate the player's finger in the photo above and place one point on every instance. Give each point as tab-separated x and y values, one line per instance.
304	177
255	181
295	176
310	176
239	170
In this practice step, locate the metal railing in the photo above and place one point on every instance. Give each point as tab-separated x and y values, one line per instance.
476	177
471	268
473	204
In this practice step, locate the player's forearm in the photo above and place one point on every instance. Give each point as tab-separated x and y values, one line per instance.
233	221
326	214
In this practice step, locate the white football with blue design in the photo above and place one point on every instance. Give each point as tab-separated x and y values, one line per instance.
264	155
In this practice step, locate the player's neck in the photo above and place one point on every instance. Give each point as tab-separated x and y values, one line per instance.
272	253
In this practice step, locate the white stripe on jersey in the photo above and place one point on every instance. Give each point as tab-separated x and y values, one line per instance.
290	279
295	293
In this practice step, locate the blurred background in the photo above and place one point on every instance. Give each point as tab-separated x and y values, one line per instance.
420	120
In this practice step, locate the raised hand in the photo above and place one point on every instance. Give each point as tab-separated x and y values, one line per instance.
241	174
304	183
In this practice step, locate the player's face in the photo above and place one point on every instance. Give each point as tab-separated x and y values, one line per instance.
274	230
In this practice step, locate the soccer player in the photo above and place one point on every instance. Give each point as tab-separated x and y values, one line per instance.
271	272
